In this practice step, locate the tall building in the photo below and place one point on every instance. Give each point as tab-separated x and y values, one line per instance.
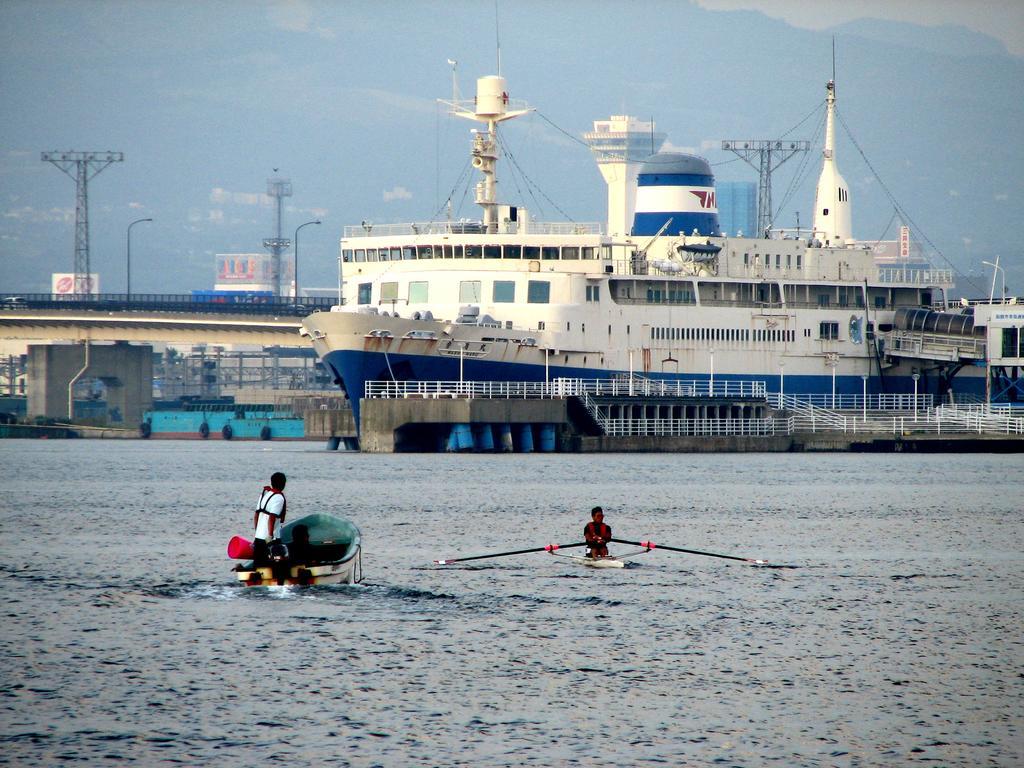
737	207
619	145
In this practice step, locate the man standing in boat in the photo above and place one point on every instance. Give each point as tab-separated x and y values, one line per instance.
269	518
597	534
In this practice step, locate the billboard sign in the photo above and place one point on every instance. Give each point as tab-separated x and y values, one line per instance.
904	242
63	284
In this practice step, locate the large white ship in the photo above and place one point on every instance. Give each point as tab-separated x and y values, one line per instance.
659	292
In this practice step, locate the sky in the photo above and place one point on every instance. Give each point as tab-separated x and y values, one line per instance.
207	99
1001	19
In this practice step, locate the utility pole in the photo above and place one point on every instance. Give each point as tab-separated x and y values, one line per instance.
277	189
86	166
769	154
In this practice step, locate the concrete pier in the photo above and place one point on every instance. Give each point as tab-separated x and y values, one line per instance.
125	370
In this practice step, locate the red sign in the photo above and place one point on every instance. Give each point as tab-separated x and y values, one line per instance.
65	285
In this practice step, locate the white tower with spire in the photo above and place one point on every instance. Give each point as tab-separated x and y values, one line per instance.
620	144
832	200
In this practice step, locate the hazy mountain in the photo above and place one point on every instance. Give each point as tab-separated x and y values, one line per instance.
205	100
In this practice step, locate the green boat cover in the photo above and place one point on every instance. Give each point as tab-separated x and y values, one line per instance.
330	538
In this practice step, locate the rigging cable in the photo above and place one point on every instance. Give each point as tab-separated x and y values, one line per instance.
902	211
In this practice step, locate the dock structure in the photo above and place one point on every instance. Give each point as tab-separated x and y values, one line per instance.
644	415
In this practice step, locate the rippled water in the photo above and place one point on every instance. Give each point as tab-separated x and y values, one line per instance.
897	640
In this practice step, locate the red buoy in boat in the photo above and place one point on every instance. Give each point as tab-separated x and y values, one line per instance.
239	548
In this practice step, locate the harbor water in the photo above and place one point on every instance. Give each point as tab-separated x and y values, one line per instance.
894	639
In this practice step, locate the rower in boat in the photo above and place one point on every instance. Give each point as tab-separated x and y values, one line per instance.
597	534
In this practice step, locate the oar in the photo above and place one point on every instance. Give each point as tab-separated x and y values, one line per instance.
652	545
545	548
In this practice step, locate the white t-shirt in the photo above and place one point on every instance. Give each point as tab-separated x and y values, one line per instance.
272	503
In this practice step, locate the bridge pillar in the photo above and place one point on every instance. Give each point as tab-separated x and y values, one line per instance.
125	370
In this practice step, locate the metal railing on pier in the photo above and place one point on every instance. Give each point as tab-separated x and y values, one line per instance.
877	414
562	387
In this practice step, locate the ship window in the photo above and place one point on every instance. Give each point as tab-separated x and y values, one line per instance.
418	292
879	302
408	253
371	254
492	251
513	252
504	292
824	299
746	259
540	326
531	252
346	255
360	255
571	252
396	254
1013	342
828	330
424	252
778	260
799	261
593	293
538	292
365	291
457	251
789	260
824	211
446	252
473	252
550	253
469	290
589	252
388	291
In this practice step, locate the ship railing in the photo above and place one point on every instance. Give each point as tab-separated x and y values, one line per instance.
429	228
937	421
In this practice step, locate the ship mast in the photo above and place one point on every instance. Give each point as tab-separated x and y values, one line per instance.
832	198
491	106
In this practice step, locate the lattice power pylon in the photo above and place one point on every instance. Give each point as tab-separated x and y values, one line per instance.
86	166
770	154
277	189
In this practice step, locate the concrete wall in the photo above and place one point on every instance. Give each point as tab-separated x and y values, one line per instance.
126	371
325	424
379	419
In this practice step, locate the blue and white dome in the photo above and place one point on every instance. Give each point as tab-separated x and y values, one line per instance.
679	187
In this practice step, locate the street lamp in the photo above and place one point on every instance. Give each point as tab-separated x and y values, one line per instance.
782	382
832	361
864	414
128	259
296	241
915	377
711	380
995	268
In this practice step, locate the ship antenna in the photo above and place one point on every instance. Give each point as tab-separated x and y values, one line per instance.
497	37
833	58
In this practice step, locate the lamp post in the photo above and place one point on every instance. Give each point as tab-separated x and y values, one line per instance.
782	382
128	259
996	268
832	361
915	377
296	241
864	413
711	380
